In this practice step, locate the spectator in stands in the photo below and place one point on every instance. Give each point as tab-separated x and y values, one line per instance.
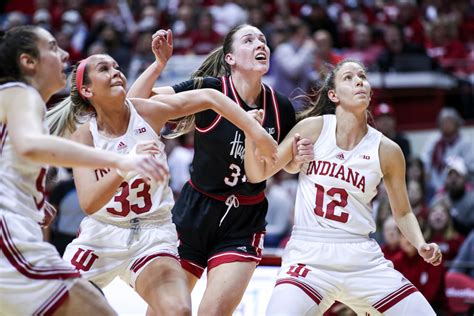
363	49
409	19
416	171
427	278
204	39
417	202
182	28
42	18
450	142
14	18
142	56
461	195
292	61
401	56
464	261
386	122
73	26
227	14
440	228
391	236
316	16
444	46
325	53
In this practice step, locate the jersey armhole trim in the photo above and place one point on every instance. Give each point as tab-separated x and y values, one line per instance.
218	117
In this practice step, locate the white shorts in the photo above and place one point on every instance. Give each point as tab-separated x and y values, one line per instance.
102	251
34	280
356	274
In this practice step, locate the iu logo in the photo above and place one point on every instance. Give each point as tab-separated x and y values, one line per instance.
298	271
84	259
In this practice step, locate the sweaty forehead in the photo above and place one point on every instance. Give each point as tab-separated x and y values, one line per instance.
350	67
248	30
96	59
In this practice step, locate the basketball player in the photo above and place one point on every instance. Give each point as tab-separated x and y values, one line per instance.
129	232
34	278
219	216
330	256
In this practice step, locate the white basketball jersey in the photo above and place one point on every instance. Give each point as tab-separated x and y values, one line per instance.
22	182
335	190
134	198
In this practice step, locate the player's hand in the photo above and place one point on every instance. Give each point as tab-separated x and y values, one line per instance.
303	150
49	214
256	115
147	147
431	253
144	165
162	45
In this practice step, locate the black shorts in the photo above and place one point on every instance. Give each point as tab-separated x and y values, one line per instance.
212	233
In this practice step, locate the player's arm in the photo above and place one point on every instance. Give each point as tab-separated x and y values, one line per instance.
162	108
93	191
393	167
162	47
257	170
303	152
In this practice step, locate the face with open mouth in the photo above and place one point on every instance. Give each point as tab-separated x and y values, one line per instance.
105	77
250	51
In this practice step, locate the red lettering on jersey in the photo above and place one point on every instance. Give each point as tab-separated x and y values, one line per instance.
325	167
81	263
332	169
361	184
298	271
340	173
100	173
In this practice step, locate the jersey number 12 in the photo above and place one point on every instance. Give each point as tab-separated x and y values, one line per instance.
329	213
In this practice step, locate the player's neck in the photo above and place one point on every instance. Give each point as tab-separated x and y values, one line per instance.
350	129
113	122
248	88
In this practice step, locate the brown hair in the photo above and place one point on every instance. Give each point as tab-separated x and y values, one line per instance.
319	103
213	66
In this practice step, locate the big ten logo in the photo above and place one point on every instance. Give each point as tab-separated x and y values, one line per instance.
84	259
140	130
298	270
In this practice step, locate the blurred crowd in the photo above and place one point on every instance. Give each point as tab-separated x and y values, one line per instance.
386	35
305	38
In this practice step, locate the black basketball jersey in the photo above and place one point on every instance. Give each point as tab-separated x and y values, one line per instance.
218	163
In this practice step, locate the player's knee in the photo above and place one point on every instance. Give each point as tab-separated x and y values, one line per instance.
84	297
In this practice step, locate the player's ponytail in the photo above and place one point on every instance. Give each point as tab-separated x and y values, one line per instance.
213	66
64	117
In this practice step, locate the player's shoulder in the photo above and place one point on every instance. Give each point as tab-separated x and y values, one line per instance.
83	135
390	155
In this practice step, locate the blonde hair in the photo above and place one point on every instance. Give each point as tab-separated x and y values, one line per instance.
64	117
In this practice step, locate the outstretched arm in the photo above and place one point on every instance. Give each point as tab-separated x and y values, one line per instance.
25	113
162	108
257	170
162	47
393	168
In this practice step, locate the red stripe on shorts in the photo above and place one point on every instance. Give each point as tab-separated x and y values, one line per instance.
394	297
231	256
141	262
192	268
312	293
53	302
22	265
